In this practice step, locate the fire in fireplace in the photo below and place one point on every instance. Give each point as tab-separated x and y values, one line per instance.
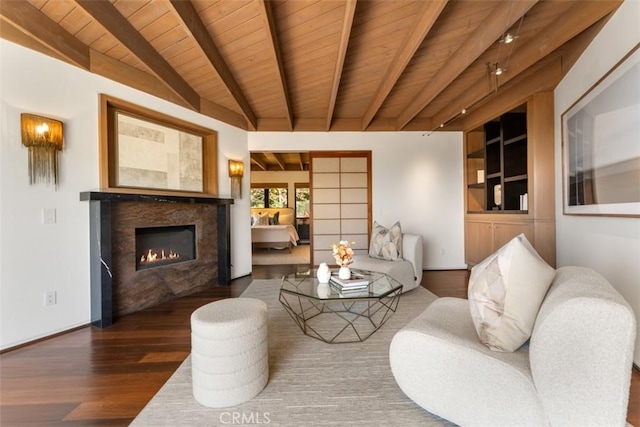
157	246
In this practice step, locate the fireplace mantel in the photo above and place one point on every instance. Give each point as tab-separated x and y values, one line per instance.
106	244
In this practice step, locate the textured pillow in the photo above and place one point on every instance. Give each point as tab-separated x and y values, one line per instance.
262	219
386	243
505	294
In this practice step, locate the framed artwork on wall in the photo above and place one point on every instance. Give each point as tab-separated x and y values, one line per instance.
601	145
144	149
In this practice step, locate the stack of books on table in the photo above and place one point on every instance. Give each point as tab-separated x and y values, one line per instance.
355	284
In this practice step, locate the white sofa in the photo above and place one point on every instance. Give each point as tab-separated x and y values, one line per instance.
407	271
574	371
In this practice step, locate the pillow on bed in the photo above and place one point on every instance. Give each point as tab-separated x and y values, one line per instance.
262	219
275	219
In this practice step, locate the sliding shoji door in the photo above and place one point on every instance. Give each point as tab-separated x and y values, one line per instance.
340	202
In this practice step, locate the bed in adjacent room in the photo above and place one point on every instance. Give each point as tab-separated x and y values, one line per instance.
273	228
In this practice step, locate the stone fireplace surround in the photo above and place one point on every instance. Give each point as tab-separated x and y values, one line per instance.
117	288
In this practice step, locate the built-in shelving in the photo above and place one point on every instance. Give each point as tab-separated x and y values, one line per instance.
499	149
514	151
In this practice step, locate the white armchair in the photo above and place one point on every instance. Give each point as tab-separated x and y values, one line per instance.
407	271
575	371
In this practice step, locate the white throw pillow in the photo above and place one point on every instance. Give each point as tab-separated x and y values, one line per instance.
505	294
386	243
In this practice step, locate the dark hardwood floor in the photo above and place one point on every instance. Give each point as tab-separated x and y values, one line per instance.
105	377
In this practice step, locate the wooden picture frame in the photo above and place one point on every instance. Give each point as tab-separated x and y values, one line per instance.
601	145
142	149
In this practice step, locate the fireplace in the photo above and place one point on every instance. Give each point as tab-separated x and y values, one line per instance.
159	246
128	230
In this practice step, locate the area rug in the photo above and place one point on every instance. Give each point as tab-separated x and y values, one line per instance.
310	383
299	255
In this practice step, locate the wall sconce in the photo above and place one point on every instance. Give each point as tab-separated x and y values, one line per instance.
44	138
236	170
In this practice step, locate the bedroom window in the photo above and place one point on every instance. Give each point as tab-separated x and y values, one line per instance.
269	196
302	200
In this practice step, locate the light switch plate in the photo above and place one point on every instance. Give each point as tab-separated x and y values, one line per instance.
48	216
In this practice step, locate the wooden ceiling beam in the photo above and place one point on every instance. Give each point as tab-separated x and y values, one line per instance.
261	163
198	30
115	70
503	16
218	112
108	16
347	24
279	161
274	50
577	19
300	161
31	21
414	38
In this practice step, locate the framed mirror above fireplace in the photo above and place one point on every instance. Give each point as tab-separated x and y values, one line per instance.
141	149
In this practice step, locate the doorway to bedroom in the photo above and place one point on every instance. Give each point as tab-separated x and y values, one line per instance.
280	213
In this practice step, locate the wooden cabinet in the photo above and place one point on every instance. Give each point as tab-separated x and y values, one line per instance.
482	238
514	151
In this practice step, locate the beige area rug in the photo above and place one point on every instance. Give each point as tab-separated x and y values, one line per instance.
310	383
299	255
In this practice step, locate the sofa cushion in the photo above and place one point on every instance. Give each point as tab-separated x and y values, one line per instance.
386	243
505	293
439	363
401	270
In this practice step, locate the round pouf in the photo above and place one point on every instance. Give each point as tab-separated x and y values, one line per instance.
229	351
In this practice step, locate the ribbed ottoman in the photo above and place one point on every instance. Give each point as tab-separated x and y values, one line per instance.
229	352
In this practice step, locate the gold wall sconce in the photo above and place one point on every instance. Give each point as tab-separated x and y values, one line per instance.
236	170
44	138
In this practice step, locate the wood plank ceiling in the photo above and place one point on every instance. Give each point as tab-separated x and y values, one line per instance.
316	65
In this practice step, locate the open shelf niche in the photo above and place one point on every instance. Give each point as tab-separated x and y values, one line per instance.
497	156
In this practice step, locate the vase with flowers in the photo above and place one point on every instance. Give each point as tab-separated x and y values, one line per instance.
343	254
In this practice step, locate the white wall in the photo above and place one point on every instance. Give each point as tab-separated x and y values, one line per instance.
609	245
417	180
35	258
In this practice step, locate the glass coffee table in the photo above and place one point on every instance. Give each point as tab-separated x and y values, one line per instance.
332	316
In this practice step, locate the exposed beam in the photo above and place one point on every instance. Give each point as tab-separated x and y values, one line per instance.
423	23
199	31
108	16
15	35
578	18
36	24
300	161
503	16
218	112
279	161
347	23
274	49
115	70
260	163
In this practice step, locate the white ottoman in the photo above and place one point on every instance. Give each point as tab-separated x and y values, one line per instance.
229	351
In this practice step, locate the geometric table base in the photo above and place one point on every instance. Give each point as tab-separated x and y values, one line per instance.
339	321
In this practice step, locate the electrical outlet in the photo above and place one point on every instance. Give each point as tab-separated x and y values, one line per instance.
48	216
50	298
